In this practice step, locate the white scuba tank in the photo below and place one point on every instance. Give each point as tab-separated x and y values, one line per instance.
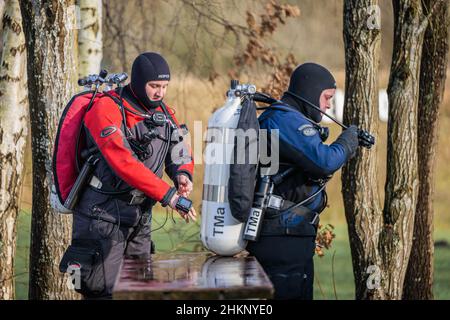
220	232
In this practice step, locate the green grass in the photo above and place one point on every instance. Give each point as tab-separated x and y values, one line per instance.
171	233
343	281
334	273
181	237
21	262
441	287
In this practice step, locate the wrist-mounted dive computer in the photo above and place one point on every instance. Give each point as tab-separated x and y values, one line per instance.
183	204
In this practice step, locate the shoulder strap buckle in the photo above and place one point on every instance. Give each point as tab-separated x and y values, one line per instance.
137	197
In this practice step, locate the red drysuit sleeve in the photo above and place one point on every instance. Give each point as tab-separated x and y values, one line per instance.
104	123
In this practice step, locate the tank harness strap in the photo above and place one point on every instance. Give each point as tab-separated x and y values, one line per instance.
132	198
276	206
130	195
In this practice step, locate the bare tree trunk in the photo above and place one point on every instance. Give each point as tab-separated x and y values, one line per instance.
359	185
13	134
116	27
402	180
383	245
419	277
2	11
52	71
90	44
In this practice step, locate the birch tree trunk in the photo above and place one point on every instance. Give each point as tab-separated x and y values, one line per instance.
90	45
52	70
13	134
2	11
419	277
359	184
402	179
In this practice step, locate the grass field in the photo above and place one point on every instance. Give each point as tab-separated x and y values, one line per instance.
330	274
342	277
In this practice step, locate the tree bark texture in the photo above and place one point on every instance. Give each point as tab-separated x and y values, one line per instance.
402	181
52	70
13	135
359	185
419	276
381	241
2	11
90	45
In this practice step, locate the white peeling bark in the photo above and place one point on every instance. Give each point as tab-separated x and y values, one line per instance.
90	44
2	11
13	133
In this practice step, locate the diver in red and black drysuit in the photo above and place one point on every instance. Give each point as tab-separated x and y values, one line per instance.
135	136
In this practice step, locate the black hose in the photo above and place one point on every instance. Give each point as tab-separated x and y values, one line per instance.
317	108
77	146
306	200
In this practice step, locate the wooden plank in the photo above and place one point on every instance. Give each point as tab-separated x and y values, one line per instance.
192	276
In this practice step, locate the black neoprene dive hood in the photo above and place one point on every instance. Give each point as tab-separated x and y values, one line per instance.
308	81
148	66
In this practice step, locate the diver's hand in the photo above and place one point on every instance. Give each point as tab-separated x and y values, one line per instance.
349	139
191	215
185	185
365	139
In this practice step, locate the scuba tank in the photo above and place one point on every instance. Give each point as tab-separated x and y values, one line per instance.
220	231
232	208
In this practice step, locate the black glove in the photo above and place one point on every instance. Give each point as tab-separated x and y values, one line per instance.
349	139
366	140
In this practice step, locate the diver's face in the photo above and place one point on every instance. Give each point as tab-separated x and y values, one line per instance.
325	99
156	90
